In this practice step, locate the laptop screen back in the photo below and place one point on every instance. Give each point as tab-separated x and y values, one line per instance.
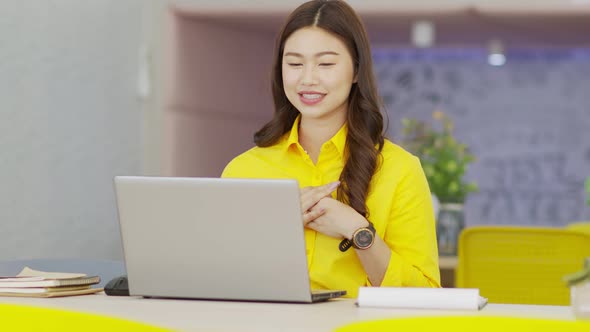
211	238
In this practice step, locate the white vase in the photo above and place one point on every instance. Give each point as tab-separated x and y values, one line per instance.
435	205
449	224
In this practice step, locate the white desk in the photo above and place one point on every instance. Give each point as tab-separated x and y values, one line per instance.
192	315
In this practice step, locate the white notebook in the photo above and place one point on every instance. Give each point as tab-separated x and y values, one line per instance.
421	298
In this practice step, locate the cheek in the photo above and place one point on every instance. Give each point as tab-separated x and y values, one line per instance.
337	80
290	77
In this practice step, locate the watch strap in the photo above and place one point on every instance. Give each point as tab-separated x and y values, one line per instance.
345	245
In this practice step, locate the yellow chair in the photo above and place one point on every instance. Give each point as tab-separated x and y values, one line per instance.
520	264
580	226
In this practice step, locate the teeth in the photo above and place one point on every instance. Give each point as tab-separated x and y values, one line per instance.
312	96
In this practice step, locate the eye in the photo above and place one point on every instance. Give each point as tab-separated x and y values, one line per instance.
295	64
325	64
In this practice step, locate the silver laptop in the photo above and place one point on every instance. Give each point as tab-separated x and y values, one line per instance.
211	238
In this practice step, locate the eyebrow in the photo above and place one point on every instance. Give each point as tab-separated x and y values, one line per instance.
317	55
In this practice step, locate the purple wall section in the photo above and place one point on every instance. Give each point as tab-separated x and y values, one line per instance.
218	94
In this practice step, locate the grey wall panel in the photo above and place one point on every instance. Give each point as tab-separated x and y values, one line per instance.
528	123
69	122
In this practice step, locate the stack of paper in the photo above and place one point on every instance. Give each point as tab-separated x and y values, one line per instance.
421	298
34	283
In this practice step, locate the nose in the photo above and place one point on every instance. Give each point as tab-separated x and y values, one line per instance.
309	76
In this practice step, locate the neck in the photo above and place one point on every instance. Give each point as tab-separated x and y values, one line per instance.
313	133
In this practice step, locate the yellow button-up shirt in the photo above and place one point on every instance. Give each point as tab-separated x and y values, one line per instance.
399	205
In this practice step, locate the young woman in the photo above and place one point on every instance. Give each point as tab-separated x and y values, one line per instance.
367	208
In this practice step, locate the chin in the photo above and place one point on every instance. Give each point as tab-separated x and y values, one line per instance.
311	113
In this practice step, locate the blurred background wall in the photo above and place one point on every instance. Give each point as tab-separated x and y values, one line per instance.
527	122
94	89
70	120
525	119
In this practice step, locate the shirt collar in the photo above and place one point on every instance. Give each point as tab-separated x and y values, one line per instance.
294	135
338	140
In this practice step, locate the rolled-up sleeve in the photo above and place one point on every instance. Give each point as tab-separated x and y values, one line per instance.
410	233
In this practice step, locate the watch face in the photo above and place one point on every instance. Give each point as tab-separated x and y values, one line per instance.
364	238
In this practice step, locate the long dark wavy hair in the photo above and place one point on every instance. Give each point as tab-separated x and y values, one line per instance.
365	121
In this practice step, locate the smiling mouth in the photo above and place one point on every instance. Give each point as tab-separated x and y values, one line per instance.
311	98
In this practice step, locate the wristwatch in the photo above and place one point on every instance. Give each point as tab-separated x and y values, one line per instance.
363	238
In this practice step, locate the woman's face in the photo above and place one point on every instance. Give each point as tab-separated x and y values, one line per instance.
317	73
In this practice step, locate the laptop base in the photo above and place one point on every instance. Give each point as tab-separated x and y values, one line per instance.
324	295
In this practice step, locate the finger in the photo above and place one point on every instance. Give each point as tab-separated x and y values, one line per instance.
312	225
310	216
311	197
323	191
305	190
305	197
330	187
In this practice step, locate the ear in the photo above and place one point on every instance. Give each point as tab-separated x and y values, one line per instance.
355	79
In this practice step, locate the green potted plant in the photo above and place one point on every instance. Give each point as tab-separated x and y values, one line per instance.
445	162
